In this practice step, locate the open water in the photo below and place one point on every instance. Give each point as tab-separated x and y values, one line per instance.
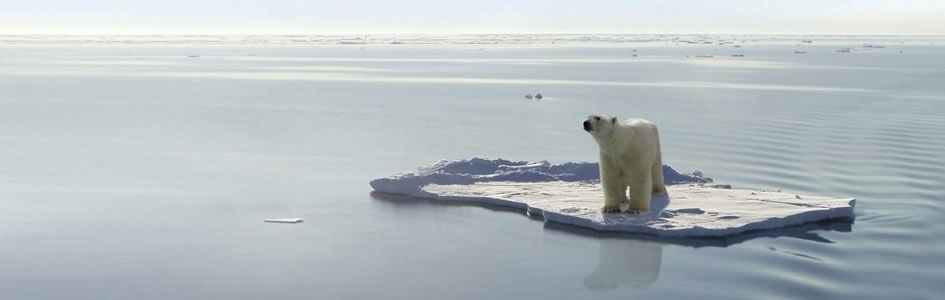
144	171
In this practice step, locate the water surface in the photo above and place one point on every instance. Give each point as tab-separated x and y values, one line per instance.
145	171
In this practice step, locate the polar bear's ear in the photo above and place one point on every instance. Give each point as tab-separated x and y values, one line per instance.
613	121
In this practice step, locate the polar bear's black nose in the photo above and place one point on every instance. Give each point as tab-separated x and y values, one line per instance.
587	126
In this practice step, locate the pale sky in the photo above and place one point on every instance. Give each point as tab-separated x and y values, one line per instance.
483	16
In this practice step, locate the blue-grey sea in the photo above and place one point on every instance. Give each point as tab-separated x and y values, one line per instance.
144	171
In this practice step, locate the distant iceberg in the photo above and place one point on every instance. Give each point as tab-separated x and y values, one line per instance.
570	193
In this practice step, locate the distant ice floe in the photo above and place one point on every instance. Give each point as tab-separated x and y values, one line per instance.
570	193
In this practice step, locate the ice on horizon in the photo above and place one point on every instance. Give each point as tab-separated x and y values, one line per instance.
570	193
428	39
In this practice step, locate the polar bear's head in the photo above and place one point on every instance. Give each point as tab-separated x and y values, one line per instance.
599	125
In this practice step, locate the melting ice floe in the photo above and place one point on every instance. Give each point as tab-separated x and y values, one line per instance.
570	193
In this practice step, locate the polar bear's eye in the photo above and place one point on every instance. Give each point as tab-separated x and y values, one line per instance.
596	118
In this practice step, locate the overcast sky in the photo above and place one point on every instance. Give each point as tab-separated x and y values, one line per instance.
483	16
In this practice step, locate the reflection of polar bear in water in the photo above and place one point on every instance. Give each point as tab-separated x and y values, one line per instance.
629	157
626	261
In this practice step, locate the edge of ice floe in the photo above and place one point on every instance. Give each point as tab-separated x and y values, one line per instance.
833	213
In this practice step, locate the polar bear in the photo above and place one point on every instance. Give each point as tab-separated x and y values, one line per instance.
629	157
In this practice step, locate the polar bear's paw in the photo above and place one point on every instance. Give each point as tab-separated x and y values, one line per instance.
611	209
659	191
634	211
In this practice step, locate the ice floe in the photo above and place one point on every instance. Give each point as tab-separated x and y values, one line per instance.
570	193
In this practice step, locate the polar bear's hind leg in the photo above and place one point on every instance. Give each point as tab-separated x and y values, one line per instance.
640	192
659	187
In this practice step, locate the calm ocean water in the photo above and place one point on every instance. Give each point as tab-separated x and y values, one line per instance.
144	171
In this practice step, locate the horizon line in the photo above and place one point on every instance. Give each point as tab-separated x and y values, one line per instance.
471	33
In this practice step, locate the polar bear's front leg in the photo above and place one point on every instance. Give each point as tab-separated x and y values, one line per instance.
613	181
641	190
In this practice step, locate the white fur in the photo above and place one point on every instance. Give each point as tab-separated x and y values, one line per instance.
629	158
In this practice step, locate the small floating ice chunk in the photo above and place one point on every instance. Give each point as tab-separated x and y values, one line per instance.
284	220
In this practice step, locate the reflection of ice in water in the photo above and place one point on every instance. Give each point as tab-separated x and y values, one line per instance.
631	262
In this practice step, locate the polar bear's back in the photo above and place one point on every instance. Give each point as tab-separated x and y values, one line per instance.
638	135
640	128
637	122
